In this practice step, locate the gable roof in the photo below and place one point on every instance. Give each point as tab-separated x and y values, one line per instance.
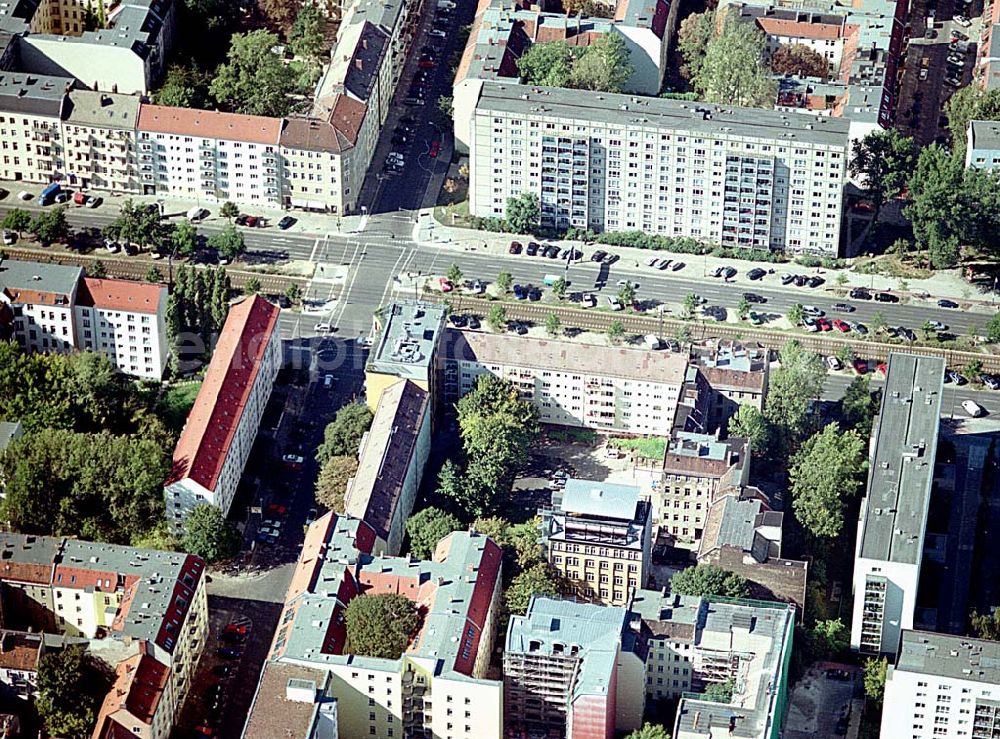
120	295
210	124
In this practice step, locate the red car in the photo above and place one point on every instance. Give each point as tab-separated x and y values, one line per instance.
276	509
860	366
241	629
435	148
880	368
841	326
823	324
426	64
515	247
445	283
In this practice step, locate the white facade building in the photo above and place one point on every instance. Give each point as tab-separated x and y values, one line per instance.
572	384
740	178
893	518
942	686
221	428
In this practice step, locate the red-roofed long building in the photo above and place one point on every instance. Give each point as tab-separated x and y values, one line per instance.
222	425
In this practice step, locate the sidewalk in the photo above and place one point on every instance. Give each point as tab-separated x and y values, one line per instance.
943	284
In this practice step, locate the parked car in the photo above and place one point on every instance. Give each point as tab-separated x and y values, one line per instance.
614	303
906	333
678	266
756	273
859	328
24	195
841	326
445	284
515	247
843	307
787	278
598	256
457	320
815	281
520	292
286	223
953	376
812	310
962	21
860	365
860	293
991	381
886	298
944	303
435	147
293	459
937	326
9	237
610	259
228	653
474	323
973	408
833	363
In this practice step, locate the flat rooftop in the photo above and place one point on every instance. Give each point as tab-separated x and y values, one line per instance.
409	335
985	135
618	111
273	713
944	655
600	499
35	278
904	444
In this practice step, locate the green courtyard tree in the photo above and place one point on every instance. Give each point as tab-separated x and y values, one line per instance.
307	35
505	280
799	60
426	528
794	385
251	286
743	309
719	692
523	212
689	306
70	686
884	160
553	326
649	731
986	625
696	31
184	238
183	87
343	434
733	71
626	293
859	405
254	80
709	579
824	473
939	210
208	534
796	314
829	638
497	318
559	288
331	484
603	66
749	423
873	674
380	625
547	64
538	579
966	104
228	242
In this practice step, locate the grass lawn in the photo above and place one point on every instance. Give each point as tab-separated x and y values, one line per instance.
583	436
176	403
653	447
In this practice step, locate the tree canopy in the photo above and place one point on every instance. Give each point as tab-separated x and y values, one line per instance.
825	472
426	528
71	684
50	226
794	385
873	675
523	212
308	32
966	104
733	70
538	579
986	625
138	225
228	242
208	534
829	638
380	625
884	160
799	60
696	31
342	435
859	405
749	423
331	485
254	81
182	87
709	579
196	311
649	731
603	66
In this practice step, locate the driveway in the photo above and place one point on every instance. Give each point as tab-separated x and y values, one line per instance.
819	700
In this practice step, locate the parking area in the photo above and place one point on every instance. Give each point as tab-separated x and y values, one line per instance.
821	702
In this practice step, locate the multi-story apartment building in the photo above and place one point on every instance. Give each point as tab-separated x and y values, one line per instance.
51	307
572	669
31	107
391	463
97	133
695	468
695	642
220	430
111	596
750	179
599	537
141	701
736	374
436	687
126	321
19	655
408	347
982	146
941	685
606	388
195	154
893	518
830	36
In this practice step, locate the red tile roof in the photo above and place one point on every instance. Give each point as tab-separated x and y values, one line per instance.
140	682
121	295
211	425
487	576
800	29
209	124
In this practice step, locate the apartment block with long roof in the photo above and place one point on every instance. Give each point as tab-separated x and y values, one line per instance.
222	425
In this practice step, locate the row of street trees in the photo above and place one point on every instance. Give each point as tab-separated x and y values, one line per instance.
196	311
49	226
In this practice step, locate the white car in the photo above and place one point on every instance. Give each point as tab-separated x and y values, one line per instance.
9	237
810	325
322	328
614	303
111	246
833	363
478	287
25	195
973	408
812	310
589	300
937	326
327	380
293	459
962	21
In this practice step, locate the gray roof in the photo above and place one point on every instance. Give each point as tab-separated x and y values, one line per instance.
135	25
382	13
34	94
103	109
9	431
16	276
943	655
615	110
600	499
16	15
993	50
902	460
594	630
985	135
408	339
362	74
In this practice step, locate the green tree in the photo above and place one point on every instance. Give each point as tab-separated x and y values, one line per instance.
228	242
749	423
17	220
208	534
733	71
743	309
445	108
709	579
939	209
689	306
993	329
603	66
845	354
559	288
307	35
616	332
50	226
626	293
294	293
523	212
70	685
342	435
331	484
829	638
546	64
380	625
252	286
280	14
97	270
136	225
825	472
183	87
184	238
454	274
696	31
538	579
504	283
229	210
966	104
794	385
497	318
254	80
719	692
796	314
426	528
859	405
153	274
986	625
799	60
873	674
649	731
879	324
553	326
973	370
884	160
841	279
